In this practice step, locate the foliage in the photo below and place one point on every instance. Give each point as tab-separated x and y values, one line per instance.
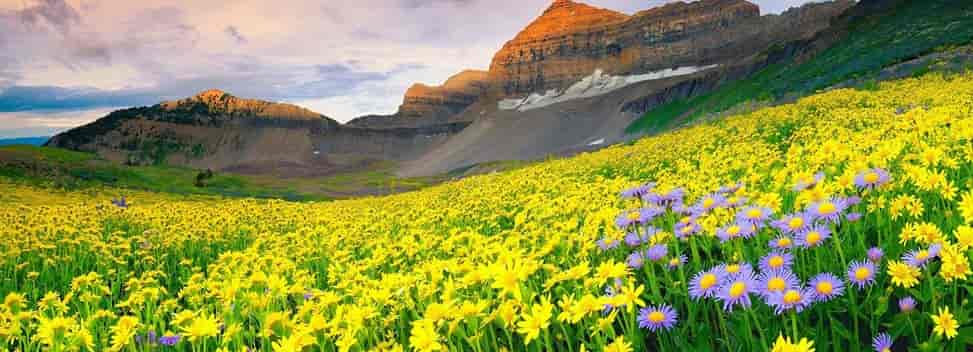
873	42
540	257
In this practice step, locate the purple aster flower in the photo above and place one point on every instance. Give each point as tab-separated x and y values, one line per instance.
684	231
791	299
882	343
875	254
705	284
730	188
657	252
853	201
808	183
638	191
757	216
121	202
935	249
792	224
627	218
735	201
871	179
655	318
734	231
852	217
711	201
308	295
736	290
649	232
861	273
607	243
646	215
826	286
918	257
907	304
781	242
632	239
169	340
777	281
672	198
676	261
828	210
736	269
776	260
813	236
635	260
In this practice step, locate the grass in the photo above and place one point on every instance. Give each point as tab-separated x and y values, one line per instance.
69	170
914	29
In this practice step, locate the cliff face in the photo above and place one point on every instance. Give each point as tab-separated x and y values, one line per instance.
432	105
571	40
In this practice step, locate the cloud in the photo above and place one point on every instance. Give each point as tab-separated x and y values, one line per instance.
55	13
46	123
235	34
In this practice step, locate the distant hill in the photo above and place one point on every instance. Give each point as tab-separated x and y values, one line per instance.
24	140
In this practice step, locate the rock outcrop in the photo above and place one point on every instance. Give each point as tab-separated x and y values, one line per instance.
571	40
432	105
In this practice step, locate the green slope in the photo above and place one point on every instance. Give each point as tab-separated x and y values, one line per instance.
912	29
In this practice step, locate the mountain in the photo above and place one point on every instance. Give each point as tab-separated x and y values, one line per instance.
577	76
432	105
572	80
24	141
219	131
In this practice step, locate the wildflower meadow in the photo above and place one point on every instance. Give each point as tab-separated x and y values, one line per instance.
841	222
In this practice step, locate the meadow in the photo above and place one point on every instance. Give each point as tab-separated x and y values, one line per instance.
840	222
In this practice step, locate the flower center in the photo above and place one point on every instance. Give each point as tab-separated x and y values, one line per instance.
792	297
776	284
633	215
708	202
784	242
737	289
776	261
674	261
753	213
733	268
656	317
922	255
795	223
826	208
862	273
707	281
813	237
825	288
871	177
733	230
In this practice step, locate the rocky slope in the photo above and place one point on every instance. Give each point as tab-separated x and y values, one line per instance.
219	131
431	105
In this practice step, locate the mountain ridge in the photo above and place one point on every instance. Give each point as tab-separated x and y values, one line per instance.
430	132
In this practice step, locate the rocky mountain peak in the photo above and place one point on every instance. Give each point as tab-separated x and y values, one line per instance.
218	102
566	15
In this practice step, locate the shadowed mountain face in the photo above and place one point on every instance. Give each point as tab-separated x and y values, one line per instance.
556	87
219	131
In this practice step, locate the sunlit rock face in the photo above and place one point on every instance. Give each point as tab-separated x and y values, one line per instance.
570	40
431	105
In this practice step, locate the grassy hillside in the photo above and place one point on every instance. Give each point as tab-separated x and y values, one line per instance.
564	255
873	42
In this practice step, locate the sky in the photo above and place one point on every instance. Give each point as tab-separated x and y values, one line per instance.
64	63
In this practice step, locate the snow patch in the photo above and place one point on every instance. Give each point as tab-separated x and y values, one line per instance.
596	84
600	141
